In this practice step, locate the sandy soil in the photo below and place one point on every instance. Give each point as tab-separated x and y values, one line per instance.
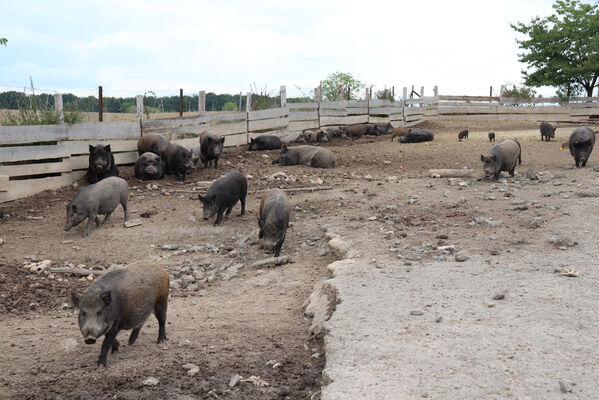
232	318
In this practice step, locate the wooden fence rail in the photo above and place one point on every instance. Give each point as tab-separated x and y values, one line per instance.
37	158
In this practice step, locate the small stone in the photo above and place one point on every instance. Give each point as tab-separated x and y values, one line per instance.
499	296
532	175
69	345
536	222
235	380
596	168
416	312
151	381
490	304
562	242
587	193
373	218
184	343
192	369
132	222
439	319
460	257
571	272
564	388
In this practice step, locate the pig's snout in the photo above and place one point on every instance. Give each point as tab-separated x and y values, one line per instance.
151	170
90	340
99	167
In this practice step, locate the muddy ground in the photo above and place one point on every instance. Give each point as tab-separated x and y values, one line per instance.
230	318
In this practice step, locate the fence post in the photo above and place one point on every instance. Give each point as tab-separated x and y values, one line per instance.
436	91
180	102
404	100
421	91
58	107
100	106
283	96
490	91
202	102
248	108
139	100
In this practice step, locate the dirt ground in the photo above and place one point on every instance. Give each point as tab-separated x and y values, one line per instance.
228	317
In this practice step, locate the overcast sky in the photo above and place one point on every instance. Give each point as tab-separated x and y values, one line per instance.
130	47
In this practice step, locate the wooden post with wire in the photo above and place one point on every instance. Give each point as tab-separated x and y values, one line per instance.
100	106
180	102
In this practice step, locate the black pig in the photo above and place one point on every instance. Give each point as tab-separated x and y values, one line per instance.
463	135
265	142
154	143
101	163
99	198
123	299
503	156
211	148
491	136
417	136
179	161
273	220
149	166
223	194
581	145
547	131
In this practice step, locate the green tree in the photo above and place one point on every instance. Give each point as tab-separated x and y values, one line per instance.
350	86
3	41
562	50
385	94
517	92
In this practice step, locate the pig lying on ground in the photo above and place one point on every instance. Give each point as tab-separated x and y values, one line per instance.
315	136
211	148
547	131
503	156
179	161
99	198
581	145
154	143
354	131
463	135
123	299
149	166
417	136
265	142
101	163
273	220
223	194
399	132
310	156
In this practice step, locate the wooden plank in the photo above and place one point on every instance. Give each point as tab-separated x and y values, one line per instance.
357	111
180	130
267	114
32	134
24	153
466	104
333	113
584	105
418	117
356	119
303	125
332	105
236	140
380	110
104	130
396	117
470	98
356	104
423	100
229	128
378	120
82	147
584	111
268	124
534	117
468	110
303	116
24	188
4	183
280	133
35	169
291	136
293	106
533	110
374	103
82	162
472	117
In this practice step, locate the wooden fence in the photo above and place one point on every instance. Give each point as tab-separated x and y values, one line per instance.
37	158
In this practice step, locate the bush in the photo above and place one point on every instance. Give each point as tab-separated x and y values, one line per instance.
229	106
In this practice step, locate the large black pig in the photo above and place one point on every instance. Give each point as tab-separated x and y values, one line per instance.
179	161
417	136
101	163
581	145
211	148
223	194
149	166
273	220
265	142
310	156
123	299
154	143
503	156
547	131
100	198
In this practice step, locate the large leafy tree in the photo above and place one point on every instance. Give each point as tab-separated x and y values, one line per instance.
562	50
350	86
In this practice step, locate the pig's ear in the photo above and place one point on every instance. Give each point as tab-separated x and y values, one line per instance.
106	298
76	297
482	158
222	140
91	148
107	147
284	149
202	198
74	208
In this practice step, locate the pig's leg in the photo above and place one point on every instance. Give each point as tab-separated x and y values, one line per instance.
134	334
219	216
216	163
108	214
115	346
124	204
106	344
242	205
90	220
160	312
97	221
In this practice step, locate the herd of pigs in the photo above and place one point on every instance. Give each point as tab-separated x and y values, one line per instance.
123	299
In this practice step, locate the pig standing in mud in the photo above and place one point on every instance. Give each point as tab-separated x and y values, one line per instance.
223	194
123	299
149	166
179	161
101	163
503	156
310	156
100	198
581	145
273	220
211	148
